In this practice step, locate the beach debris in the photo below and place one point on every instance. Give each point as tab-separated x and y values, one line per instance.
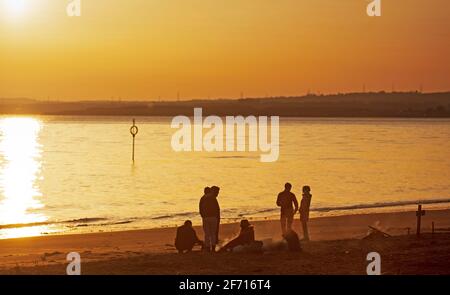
376	234
435	229
45	255
419	215
376	229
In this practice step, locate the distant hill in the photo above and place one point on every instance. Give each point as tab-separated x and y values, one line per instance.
379	104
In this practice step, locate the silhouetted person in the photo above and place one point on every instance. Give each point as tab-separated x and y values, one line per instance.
246	237
186	238
210	212
289	205
304	210
293	241
215	191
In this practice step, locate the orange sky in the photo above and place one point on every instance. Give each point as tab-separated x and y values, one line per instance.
150	49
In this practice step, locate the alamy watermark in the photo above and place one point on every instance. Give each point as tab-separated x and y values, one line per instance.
74	266
74	8
374	266
374	8
227	135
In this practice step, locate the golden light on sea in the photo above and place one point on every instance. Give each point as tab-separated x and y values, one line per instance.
20	167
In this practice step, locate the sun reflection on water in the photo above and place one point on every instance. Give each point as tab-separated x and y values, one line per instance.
20	168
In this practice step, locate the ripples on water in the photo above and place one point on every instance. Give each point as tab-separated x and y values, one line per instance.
75	173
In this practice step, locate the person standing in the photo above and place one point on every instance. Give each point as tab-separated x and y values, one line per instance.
210	213
215	191
305	204
288	204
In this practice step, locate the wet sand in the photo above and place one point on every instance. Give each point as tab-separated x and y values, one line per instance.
337	247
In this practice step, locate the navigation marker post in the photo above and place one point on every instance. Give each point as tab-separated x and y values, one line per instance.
133	130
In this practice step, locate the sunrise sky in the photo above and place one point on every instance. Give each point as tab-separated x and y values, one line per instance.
152	49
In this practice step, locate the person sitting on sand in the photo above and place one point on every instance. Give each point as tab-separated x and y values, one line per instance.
210	211
304	211
186	238
288	203
246	238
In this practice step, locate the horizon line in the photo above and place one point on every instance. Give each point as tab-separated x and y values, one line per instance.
133	100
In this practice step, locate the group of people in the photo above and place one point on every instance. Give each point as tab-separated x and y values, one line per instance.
209	209
288	203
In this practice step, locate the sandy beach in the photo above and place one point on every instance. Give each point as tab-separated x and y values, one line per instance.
337	247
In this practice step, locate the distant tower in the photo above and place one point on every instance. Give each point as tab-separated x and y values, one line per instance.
364	88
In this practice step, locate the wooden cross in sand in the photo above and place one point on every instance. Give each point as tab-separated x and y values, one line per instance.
419	215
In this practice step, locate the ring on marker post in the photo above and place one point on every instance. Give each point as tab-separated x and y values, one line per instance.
134	130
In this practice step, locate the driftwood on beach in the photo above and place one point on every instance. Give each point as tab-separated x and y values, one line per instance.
376	233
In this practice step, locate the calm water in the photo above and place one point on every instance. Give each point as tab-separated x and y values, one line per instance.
74	174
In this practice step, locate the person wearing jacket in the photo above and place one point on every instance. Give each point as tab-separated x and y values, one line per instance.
305	205
210	212
288	204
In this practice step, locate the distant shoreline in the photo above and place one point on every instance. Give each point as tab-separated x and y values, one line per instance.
354	105
81	115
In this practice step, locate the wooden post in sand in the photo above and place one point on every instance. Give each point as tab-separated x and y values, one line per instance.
133	130
419	215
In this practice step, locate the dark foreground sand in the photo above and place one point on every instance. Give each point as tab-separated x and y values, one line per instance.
337	248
